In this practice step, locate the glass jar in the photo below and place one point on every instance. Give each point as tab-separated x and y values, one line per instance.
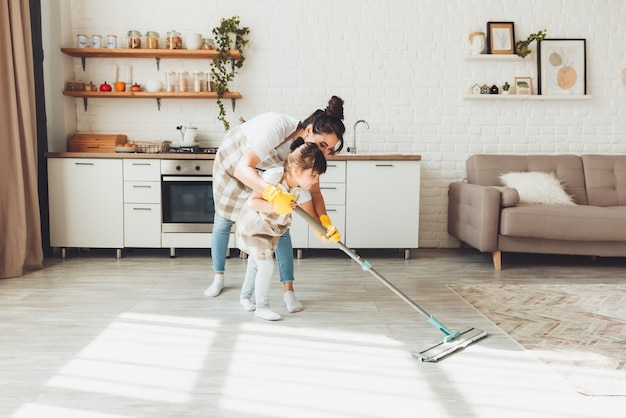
182	81
152	40
134	39
173	40
199	81
170	81
208	44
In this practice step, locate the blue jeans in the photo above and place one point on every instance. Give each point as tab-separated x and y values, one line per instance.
219	249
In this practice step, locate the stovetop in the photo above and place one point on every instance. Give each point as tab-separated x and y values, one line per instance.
193	150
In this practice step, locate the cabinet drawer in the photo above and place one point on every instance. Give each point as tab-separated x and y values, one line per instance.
142	170
142	225
335	172
334	193
142	192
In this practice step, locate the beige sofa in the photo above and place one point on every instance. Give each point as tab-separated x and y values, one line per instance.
490	217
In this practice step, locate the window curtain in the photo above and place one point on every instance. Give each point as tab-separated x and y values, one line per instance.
20	223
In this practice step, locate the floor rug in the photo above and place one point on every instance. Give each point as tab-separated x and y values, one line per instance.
577	330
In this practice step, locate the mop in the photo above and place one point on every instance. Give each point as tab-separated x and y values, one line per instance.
452	340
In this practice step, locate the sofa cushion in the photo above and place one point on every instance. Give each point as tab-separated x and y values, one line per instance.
570	223
485	169
535	187
605	178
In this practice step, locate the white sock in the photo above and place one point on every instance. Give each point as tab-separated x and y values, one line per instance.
247	304
267	314
292	304
216	287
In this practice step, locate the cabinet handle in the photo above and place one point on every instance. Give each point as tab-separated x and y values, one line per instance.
142	209
83	163
142	163
135	186
328	188
384	165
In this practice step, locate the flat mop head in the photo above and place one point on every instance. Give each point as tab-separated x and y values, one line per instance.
448	346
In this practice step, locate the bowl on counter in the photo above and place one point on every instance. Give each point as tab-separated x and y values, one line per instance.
128	147
153	86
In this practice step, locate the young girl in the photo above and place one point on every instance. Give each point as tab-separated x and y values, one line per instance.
259	226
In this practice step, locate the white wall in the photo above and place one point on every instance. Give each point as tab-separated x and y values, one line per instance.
397	64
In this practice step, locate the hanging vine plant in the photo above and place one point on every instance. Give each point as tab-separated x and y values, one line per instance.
521	47
229	34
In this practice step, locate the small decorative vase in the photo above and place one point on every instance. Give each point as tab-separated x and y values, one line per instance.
477	43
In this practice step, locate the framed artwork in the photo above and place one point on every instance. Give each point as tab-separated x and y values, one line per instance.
562	67
500	38
523	85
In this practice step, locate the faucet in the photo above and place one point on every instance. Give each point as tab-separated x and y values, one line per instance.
352	149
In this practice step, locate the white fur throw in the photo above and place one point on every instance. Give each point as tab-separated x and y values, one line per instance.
537	188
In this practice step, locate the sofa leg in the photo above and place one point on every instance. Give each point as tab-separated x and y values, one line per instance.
497	260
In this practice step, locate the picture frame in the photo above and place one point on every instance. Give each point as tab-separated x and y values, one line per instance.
523	85
562	67
500	37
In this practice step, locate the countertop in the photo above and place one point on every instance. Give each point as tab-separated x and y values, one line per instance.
183	156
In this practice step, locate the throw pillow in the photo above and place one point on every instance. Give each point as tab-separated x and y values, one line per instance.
537	188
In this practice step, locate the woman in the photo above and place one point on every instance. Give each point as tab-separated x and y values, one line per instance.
258	144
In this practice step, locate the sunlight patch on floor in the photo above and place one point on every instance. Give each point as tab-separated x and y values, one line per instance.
39	411
322	373
148	357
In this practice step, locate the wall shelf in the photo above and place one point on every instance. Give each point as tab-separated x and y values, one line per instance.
156	54
493	57
149	95
534	97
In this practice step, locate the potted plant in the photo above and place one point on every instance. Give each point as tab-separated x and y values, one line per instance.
229	34
505	87
521	47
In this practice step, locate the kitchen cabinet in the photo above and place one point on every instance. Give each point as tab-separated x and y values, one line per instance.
157	55
373	203
382	204
112	200
333	187
86	203
142	203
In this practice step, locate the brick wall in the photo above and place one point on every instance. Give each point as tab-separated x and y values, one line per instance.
398	64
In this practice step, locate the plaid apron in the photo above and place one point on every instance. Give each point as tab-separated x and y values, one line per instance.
229	193
258	232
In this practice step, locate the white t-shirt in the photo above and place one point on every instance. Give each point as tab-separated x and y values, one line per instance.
267	130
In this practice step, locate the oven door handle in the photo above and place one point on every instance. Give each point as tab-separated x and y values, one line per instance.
187	178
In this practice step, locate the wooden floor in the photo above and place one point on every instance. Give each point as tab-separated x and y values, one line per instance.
94	336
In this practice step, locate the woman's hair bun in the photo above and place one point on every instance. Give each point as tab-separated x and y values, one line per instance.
296	143
335	107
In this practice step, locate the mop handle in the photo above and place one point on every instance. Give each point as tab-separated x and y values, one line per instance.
365	265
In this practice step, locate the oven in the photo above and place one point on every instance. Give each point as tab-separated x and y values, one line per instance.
187	196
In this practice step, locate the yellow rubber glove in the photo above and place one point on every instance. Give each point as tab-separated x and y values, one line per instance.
332	232
281	200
